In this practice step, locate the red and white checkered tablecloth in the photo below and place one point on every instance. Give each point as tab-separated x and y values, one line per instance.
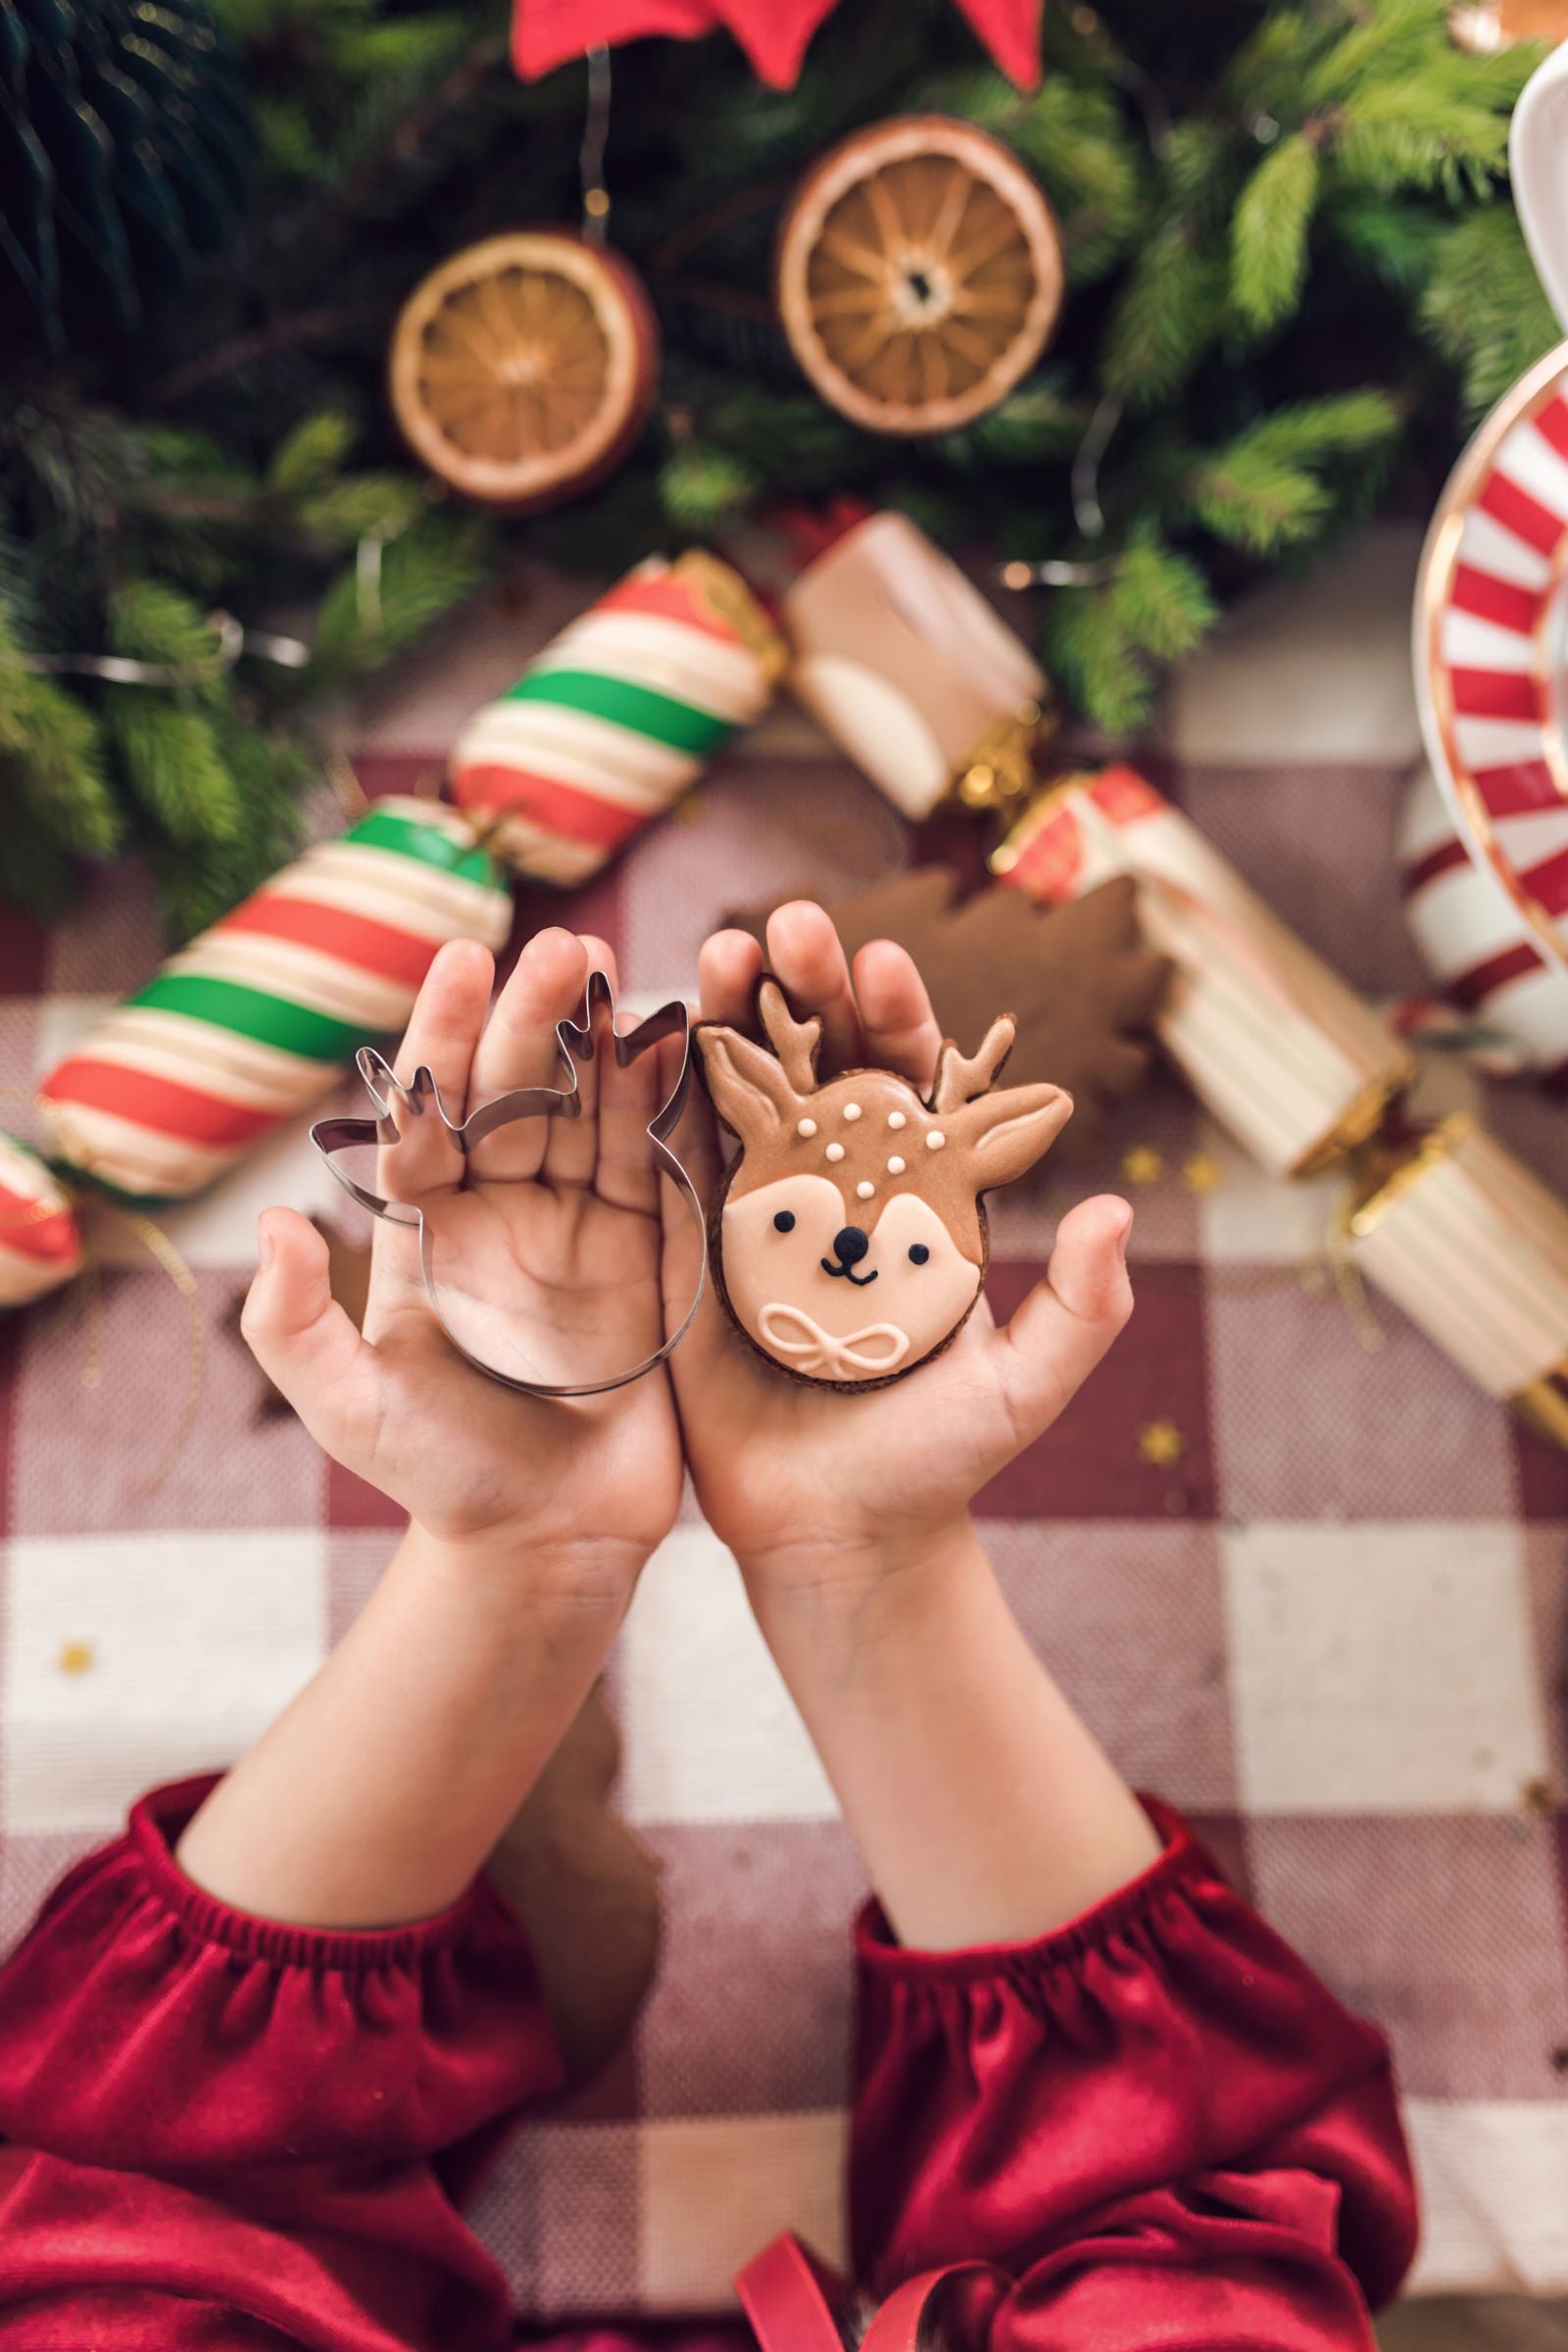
1334	1627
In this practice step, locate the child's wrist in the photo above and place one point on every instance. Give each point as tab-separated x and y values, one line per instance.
843	1576
505	1566
889	1634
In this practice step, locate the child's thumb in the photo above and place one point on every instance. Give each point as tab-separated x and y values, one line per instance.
1065	1325
296	1330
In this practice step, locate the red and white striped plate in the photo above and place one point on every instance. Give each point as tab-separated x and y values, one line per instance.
1487	885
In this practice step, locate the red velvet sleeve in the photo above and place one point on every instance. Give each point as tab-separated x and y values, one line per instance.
1156	2122
251	2118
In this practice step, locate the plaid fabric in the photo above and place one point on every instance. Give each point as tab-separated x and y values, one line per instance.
1327	1618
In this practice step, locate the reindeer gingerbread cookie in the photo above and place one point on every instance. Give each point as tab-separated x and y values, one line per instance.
848	1242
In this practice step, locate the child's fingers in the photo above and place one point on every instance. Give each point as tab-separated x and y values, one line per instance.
519	1045
571	1146
729	965
442	1033
628	1100
805	953
901	1028
302	1338
700	1357
1065	1325
448	1015
695	1144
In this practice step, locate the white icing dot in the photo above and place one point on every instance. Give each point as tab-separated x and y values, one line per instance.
896	1118
805	1127
935	1140
895	1166
852	1110
835	1151
864	1190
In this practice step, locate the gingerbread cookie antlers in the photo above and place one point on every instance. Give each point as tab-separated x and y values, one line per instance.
850	1239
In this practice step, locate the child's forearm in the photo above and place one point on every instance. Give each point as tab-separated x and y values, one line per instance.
377	1795
985	1809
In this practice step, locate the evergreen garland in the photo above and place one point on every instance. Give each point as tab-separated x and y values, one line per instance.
1294	276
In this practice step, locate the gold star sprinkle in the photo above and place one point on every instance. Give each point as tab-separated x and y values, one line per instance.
1201	1172
75	1657
1143	1164
1162	1443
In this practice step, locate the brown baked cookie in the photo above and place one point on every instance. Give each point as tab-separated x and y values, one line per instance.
849	1239
1081	983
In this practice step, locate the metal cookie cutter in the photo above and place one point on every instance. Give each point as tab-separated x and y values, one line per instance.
574	1041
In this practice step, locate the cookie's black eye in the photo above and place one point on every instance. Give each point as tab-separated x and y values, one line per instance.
784	1222
918	1253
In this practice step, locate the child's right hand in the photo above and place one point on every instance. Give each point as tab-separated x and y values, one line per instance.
818	1491
585	1487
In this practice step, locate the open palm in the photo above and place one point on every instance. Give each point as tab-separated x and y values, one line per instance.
806	1483
545	1252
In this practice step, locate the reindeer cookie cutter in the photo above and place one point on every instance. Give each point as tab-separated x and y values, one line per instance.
575	1043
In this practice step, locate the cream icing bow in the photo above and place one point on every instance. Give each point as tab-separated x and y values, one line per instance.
802	1342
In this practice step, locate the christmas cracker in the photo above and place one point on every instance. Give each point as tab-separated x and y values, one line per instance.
617	717
250	1022
1307	1078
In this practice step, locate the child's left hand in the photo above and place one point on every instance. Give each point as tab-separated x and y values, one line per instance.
563	1218
822	1491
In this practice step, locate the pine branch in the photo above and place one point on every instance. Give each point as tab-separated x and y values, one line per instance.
1391	39
422	575
1084	647
1484	307
1391	238
198	884
1274	485
1037	422
172	765
1420	134
1079	147
311	452
704	488
52	760
1170	313
1269	233
1160	598
149	621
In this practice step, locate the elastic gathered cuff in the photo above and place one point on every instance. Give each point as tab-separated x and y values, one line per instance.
159	1820
878	1950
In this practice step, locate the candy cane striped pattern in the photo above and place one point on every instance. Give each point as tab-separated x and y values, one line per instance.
41	1245
616	716
1490	615
1469	931
249	1023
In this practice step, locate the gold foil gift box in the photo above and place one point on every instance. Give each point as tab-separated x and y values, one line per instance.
1286	1056
1475	1251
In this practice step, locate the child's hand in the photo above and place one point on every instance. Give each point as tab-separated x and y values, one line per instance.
814	1488
559	1220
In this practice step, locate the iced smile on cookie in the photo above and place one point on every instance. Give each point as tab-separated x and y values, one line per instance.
858	1182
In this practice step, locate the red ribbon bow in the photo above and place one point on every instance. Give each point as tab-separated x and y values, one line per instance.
774	34
797	2304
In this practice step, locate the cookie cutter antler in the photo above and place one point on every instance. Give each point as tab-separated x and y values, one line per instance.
575	1043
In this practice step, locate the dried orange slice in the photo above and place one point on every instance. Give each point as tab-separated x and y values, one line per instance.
1495	24
919	275
524	367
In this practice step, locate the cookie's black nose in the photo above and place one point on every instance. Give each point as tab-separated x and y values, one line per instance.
850	1245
